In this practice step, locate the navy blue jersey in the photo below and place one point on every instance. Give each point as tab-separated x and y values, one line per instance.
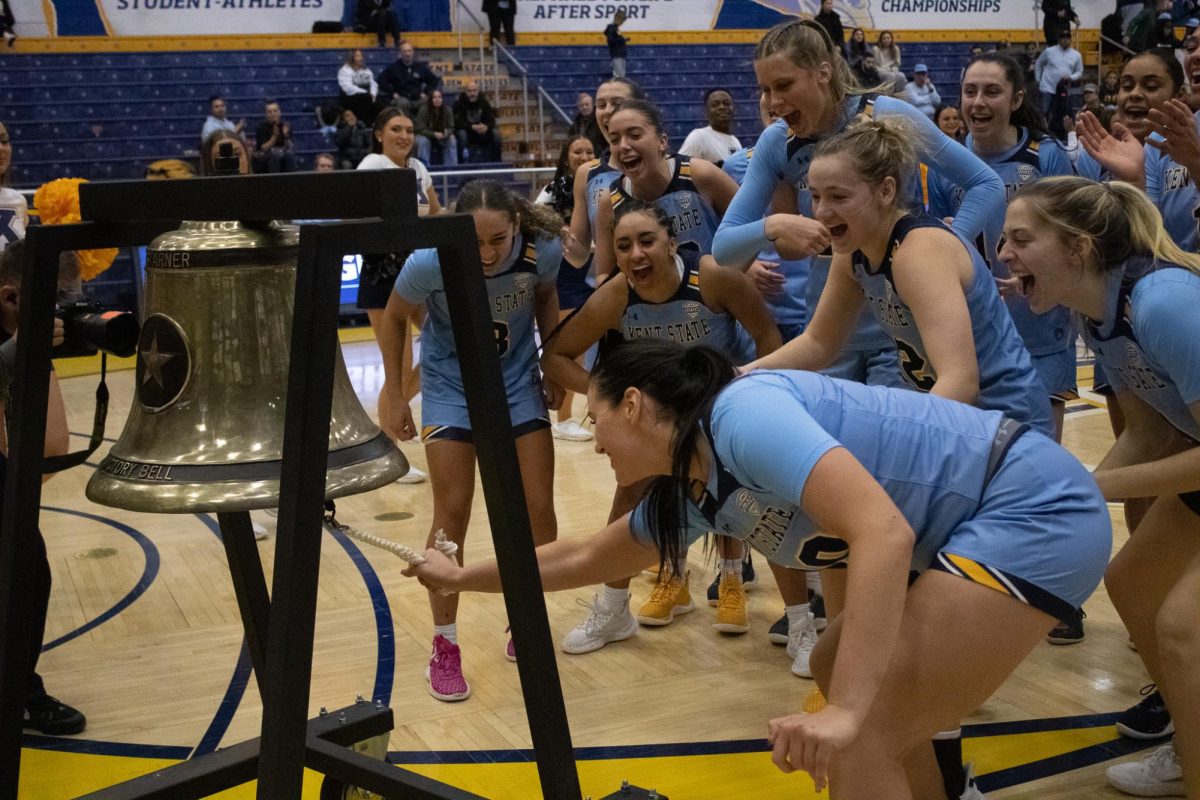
684	318
1149	341
1026	161
1007	381
692	218
512	292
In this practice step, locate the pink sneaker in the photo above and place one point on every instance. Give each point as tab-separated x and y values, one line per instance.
444	673
510	652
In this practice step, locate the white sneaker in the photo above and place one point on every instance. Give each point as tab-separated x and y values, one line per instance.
260	532
601	627
413	475
801	641
1156	775
570	431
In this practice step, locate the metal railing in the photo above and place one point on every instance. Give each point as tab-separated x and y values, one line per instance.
1100	47
531	172
482	58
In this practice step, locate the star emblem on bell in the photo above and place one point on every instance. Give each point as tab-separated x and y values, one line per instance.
163	364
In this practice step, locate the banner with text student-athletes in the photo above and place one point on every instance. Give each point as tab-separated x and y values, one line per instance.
538	16
191	17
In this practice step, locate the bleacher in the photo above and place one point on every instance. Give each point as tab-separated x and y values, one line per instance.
149	106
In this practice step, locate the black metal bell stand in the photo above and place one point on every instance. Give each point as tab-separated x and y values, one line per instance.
377	213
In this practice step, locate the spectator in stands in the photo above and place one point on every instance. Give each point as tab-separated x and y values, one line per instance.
354	140
921	92
357	88
208	152
475	125
378	17
617	50
435	131
1127	10
7	21
1139	34
501	13
715	142
274	150
1109	90
324	162
217	120
975	51
828	19
867	73
407	83
14	211
1056	67
585	123
949	122
1164	34
1028	59
857	48
1091	102
887	58
1058	15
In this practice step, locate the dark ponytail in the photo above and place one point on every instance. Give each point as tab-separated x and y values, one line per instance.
683	381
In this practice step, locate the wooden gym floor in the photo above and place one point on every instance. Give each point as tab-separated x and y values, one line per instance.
144	637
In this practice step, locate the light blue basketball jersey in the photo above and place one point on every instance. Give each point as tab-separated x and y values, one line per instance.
1007	381
1028	160
511	298
692	218
599	176
1149	342
684	318
781	157
789	308
1170	187
929	454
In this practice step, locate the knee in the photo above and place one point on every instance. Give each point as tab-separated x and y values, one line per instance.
1177	636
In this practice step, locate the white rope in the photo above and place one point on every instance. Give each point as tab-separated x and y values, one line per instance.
406	553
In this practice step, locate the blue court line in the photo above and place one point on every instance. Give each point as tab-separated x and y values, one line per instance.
1040	725
385	636
149	573
1044	768
92	747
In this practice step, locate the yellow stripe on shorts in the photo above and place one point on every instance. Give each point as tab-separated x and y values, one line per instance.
976	572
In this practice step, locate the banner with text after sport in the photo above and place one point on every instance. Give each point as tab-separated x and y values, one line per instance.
561	16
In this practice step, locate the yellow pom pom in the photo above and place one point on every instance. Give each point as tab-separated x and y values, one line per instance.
814	702
57	203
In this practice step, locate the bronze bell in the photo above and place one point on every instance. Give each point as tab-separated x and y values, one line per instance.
205	432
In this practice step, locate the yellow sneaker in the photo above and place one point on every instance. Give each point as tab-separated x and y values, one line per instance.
733	615
670	597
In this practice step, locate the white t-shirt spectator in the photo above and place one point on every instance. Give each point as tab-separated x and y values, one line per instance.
14	216
357	81
925	98
212	125
710	145
424	180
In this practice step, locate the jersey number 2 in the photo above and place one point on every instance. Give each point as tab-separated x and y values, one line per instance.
913	367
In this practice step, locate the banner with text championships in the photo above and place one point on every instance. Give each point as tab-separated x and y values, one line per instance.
192	17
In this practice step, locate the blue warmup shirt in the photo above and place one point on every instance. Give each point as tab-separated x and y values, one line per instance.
929	454
1028	160
780	157
684	318
1169	186
1149	342
692	218
511	297
1007	381
789	308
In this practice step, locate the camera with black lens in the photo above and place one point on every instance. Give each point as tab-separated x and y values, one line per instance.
88	327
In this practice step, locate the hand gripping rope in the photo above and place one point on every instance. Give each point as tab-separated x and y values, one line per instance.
403	551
